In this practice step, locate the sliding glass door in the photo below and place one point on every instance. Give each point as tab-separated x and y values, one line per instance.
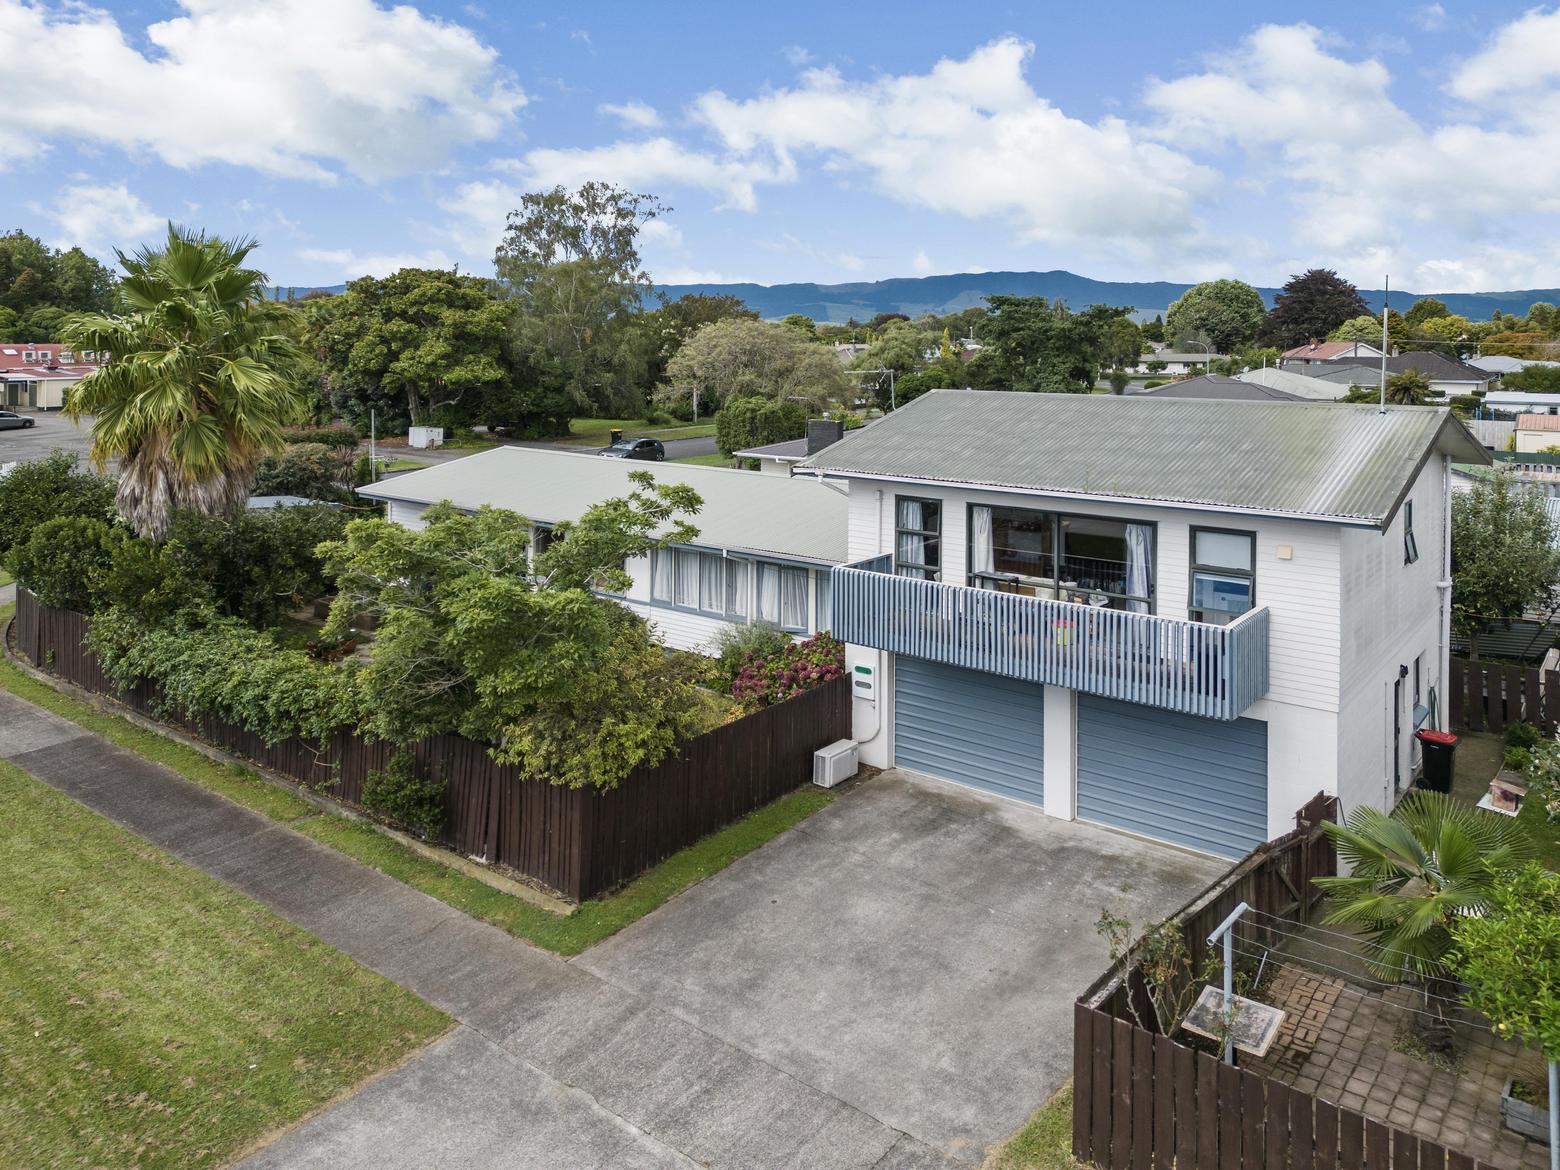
1084	559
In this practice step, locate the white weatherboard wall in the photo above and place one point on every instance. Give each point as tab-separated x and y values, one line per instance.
1392	616
1298	570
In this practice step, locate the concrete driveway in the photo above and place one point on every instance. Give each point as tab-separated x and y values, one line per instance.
913	951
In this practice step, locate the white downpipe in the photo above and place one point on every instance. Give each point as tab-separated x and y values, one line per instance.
1444	589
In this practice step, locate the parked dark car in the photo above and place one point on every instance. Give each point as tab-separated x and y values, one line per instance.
11	421
635	449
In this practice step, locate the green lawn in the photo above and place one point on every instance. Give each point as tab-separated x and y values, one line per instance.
565	935
1045	1142
593	432
5	578
1478	759
405	465
713	459
152	1016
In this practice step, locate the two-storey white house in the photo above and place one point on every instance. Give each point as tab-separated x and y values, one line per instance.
1173	617
763	552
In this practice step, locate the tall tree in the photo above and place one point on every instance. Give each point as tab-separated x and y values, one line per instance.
1311	305
34	277
1035	344
1423	310
1226	313
738	358
664	330
570	262
203	379
413	344
1504	555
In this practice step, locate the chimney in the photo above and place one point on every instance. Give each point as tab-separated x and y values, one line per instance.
821	432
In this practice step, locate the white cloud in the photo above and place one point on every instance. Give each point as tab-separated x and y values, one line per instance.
660	233
921	264
98	217
636	115
797	56
1431	18
1522	57
292	88
680	274
350	265
972	138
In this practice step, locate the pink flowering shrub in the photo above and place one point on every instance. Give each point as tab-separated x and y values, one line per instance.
799	667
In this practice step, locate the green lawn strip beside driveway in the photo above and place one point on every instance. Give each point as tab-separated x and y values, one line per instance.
596	432
5	578
713	459
563	934
151	1015
1045	1141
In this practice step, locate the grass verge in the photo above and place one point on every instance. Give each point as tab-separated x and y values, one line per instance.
594	432
5	578
152	1016
564	935
1045	1142
713	459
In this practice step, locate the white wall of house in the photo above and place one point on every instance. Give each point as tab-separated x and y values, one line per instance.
1328	620
679	628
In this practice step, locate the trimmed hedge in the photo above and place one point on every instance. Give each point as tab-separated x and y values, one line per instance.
754	422
332	435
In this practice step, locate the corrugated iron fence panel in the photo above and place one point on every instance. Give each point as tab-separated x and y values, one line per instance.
580	842
1490	696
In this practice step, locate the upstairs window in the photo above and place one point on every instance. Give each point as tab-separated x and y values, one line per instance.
917	538
1410	545
1224	574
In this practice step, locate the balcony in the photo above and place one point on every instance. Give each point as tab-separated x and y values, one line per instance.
1198	669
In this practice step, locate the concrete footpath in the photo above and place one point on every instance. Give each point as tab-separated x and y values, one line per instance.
551	1065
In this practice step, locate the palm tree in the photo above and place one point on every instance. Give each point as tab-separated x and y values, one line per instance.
203	377
1408	387
1412	874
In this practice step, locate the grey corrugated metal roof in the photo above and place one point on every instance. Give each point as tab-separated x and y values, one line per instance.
1324	460
1367	371
790	449
1219	387
743	510
1298	385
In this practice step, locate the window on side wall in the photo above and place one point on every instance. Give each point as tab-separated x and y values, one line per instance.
782	597
1224	575
1410	545
917	538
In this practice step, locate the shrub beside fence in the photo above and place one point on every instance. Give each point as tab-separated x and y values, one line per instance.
1143	1101
579	841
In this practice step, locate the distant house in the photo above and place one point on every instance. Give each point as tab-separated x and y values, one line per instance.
1298	385
1499	364
1536	432
780	458
38	376
1328	351
1218	386
1517	402
762	554
849	351
1447	377
1175	362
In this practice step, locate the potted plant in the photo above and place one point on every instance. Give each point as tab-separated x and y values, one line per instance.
1509	958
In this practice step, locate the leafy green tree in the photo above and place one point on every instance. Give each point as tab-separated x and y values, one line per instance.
1509	958
1424	309
1413	874
1534	379
33	277
802	323
10	325
204	378
311	470
569	263
901	346
1121	343
1119	380
1542	317
1227	312
471	638
943	374
414	345
44	489
1408	388
1311	305
1504	559
1448	334
1155	329
738	358
663	331
753	422
1035	344
1364	328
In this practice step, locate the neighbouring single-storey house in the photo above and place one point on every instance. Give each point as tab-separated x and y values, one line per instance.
1176	618
1537	432
1518	402
1220	387
1500	365
1297	385
1328	351
1447	378
780	458
1174	362
38	376
763	553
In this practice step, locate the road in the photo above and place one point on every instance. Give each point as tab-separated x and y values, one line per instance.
50	432
675	449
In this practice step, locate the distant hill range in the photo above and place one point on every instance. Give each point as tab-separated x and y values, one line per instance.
915	295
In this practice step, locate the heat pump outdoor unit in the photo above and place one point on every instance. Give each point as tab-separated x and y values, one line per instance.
834	764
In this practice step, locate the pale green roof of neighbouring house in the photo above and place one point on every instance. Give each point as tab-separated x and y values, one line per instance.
743	511
1324	461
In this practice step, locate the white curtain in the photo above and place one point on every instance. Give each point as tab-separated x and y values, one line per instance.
687	579
663	564
737	588
910	547
712	583
982	555
793	599
1140	565
769	593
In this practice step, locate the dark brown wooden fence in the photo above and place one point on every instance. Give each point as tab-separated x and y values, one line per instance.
1489	696
577	841
1142	1101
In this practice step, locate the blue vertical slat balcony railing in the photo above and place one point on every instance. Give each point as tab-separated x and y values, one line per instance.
1213	671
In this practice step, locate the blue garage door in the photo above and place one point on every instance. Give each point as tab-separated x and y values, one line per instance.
978	729
1197	782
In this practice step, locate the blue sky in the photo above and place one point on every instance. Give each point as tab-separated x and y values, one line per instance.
806	141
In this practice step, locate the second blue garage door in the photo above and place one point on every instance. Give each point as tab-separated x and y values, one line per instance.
1196	782
978	729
